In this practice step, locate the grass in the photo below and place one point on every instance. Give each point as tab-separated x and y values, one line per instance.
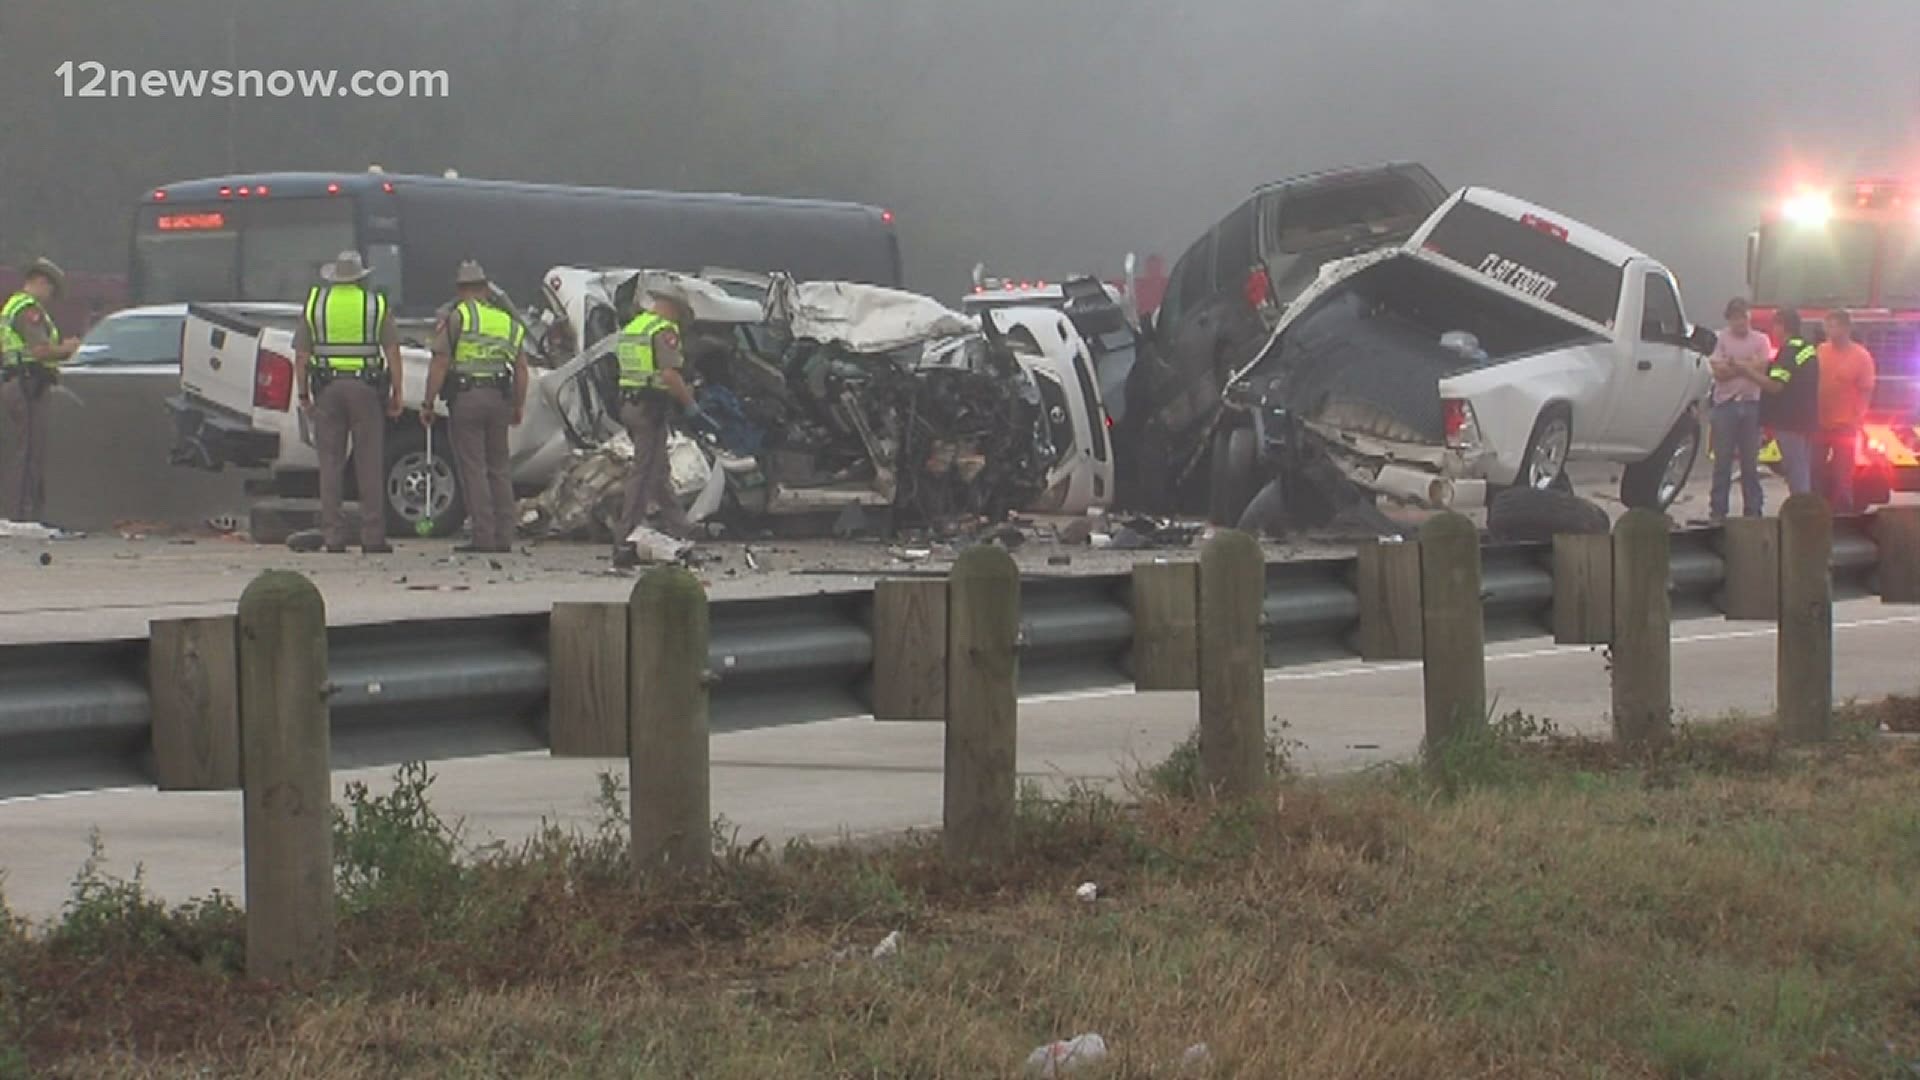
1529	906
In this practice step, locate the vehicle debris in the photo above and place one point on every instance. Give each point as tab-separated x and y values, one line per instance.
1067	1056
889	946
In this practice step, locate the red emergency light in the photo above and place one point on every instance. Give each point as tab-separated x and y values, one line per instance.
245	191
226	193
333	189
886	216
206	222
261	191
159	195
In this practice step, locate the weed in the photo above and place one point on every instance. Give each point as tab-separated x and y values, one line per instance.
1178	776
393	849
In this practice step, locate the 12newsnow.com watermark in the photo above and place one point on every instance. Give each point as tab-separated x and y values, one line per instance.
92	79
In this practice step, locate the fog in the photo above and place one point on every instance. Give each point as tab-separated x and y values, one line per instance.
1038	137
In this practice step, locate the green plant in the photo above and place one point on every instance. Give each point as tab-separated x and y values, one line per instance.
1178	776
105	914
393	848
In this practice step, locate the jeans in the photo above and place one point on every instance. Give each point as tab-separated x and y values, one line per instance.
1736	434
1841	446
1796	460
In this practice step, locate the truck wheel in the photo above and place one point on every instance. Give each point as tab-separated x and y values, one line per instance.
406	487
1655	483
1234	478
1525	515
1544	468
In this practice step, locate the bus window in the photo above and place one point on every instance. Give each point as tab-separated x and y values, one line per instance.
286	242
270	250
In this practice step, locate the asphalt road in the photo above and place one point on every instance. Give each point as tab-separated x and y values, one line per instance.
855	776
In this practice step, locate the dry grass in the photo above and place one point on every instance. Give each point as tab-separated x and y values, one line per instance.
1547	908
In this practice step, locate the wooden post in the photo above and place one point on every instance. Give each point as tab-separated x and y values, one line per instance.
1453	628
1387	578
1751	549
1896	531
1166	626
1805	661
1642	630
1233	687
288	820
983	629
193	682
910	650
587	680
1582	589
667	763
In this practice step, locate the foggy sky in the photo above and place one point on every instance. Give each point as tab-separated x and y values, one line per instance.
1040	136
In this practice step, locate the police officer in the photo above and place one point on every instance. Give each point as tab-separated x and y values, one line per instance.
651	383
480	368
30	352
347	368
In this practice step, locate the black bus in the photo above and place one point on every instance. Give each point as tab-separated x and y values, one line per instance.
265	236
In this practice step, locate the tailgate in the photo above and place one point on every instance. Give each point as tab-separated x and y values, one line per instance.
217	353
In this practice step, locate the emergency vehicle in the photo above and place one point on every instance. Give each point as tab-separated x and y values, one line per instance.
1854	247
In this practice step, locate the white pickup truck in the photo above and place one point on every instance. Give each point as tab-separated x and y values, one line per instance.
1499	342
236	406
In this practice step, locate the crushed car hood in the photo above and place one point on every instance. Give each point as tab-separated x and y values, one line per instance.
862	318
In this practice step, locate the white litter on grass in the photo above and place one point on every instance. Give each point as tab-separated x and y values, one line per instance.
1066	1057
655	546
1196	1056
889	946
1087	893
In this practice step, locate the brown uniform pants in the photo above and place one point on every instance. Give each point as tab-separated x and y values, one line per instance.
351	407
23	451
481	418
650	484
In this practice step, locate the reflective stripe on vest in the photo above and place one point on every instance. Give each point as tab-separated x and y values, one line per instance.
637	368
13	345
486	339
344	324
1802	353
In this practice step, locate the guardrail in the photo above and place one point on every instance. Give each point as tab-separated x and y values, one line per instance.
78	716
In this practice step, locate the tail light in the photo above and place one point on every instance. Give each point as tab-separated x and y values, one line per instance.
272	381
1462	428
1259	288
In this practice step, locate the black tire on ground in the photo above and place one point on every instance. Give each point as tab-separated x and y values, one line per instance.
1643	484
1233	476
403	480
1525	514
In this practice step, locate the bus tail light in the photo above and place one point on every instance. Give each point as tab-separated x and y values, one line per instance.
272	381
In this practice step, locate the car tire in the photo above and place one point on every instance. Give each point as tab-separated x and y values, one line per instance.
403	487
1234	475
1532	515
1266	514
1555	421
1655	483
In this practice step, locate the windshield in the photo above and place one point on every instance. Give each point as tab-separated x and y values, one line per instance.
133	339
1314	219
1901	283
1815	265
232	251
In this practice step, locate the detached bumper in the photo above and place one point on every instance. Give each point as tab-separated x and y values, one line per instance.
205	437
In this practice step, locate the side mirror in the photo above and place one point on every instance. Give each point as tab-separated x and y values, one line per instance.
1703	341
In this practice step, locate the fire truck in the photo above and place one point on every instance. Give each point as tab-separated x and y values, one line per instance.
1857	247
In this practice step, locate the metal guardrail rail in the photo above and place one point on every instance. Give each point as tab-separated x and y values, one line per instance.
76	716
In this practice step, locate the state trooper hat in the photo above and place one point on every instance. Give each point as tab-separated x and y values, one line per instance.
470	273
47	268
673	293
347	268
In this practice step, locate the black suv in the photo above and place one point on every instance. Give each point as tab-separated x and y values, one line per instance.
1223	298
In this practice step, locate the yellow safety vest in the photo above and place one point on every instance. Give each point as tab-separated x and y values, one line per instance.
637	368
1802	353
486	339
344	323
13	345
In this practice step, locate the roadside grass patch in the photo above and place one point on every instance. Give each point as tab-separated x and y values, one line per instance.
1528	905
